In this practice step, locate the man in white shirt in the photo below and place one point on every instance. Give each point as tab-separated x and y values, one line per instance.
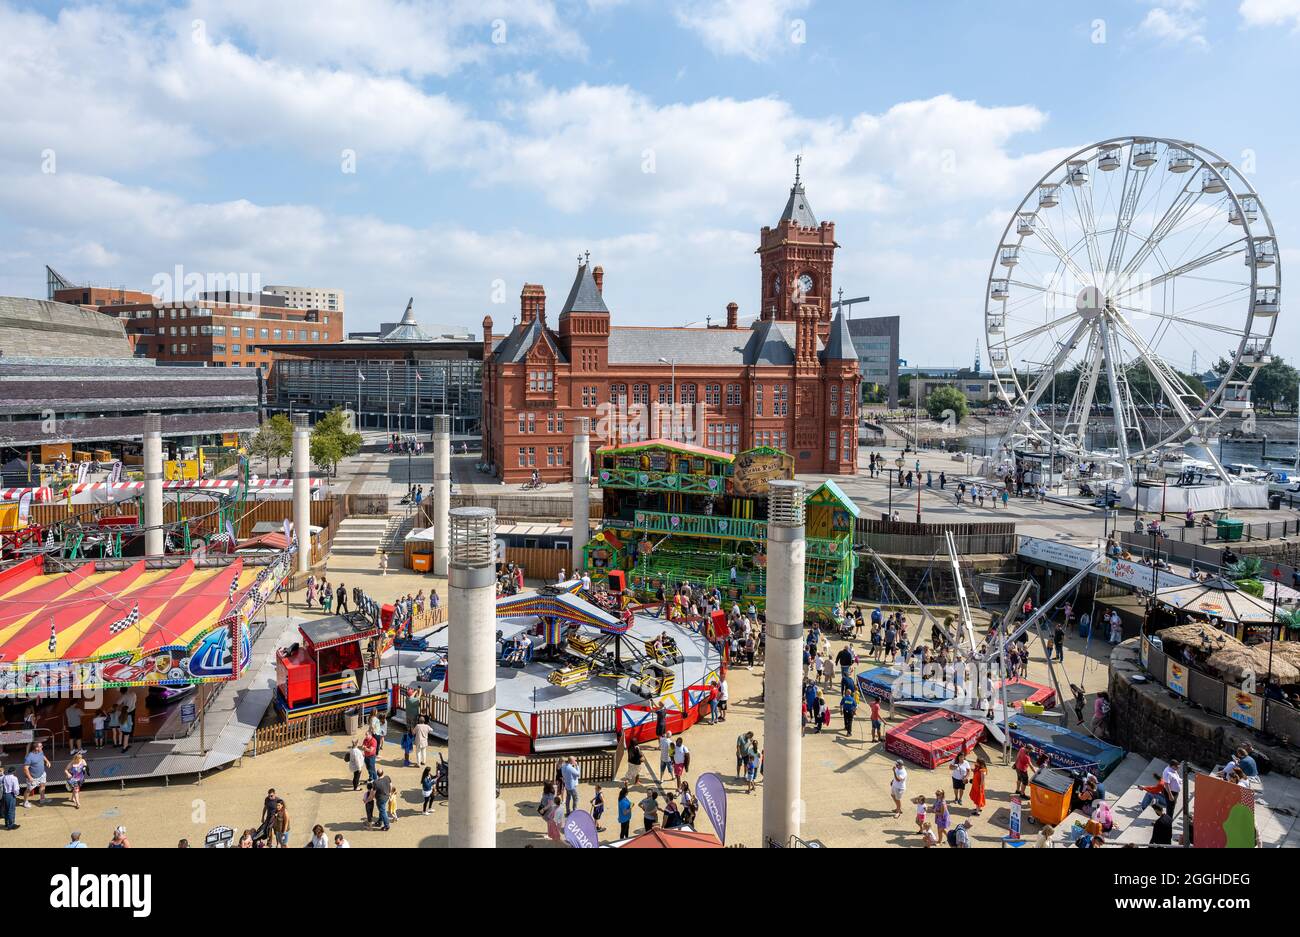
681	755
1172	779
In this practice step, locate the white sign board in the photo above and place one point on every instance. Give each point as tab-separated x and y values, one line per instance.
16	737
1126	572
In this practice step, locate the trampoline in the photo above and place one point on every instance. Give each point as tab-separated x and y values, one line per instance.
886	683
933	738
1020	691
1063	748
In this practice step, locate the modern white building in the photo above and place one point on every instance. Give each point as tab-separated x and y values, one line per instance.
309	297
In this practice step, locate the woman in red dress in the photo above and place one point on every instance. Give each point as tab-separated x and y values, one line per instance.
977	785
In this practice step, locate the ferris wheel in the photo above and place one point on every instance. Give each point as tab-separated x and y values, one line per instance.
1126	261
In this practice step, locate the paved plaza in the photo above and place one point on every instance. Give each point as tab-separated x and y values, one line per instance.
845	779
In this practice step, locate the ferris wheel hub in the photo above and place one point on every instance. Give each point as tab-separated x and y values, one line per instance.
1090	302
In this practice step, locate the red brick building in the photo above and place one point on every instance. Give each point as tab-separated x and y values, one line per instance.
788	381
239	332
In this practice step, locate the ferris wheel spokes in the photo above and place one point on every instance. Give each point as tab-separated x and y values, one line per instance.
1111	276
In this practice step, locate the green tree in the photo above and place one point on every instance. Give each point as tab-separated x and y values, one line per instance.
1276	382
331	442
944	399
274	440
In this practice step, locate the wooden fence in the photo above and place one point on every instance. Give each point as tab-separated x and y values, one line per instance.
592	720
541	562
536	770
529	506
910	539
273	737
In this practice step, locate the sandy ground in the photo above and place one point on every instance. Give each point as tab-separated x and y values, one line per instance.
845	779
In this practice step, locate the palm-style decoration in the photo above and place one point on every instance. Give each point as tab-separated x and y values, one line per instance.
1247	567
1290	618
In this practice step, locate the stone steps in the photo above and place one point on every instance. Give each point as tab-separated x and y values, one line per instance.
359	536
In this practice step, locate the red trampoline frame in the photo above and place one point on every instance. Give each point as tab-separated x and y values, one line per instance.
1042	694
964	736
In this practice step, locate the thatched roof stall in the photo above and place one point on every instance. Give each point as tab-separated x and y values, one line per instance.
1199	636
1289	651
1236	662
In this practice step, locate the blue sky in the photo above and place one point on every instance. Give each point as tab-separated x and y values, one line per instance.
658	135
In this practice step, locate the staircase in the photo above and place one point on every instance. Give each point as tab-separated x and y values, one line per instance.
359	536
1119	785
399	525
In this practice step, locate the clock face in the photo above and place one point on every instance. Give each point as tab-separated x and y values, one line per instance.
805	283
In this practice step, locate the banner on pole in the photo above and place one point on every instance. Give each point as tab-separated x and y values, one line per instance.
712	796
580	830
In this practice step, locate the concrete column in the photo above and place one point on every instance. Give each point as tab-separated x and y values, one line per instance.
581	489
302	490
154	541
472	679
441	491
783	680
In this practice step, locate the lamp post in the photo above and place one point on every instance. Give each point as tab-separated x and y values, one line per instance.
1272	627
1137	495
890	509
1155	580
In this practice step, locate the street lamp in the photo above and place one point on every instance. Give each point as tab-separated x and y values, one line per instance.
1272	627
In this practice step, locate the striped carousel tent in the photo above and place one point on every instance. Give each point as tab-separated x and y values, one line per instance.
89	614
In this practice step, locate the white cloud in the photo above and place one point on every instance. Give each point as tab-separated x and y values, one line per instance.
451	270
595	144
752	28
1271	12
412	37
587	145
1176	22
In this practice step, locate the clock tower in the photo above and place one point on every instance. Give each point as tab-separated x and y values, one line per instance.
795	259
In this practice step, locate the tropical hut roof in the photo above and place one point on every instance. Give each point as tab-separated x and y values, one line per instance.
1198	635
1289	651
1236	662
1217	598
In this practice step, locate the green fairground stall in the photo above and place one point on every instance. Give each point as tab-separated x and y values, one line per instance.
675	512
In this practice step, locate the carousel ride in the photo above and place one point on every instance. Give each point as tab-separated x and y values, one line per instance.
1120	265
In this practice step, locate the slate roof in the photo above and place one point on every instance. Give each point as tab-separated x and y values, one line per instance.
583	295
769	344
797	208
839	343
515	346
41	328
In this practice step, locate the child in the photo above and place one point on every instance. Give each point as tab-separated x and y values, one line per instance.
598	808
99	722
919	802
368	799
408	743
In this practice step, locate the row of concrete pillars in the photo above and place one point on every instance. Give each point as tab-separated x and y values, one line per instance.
465	552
